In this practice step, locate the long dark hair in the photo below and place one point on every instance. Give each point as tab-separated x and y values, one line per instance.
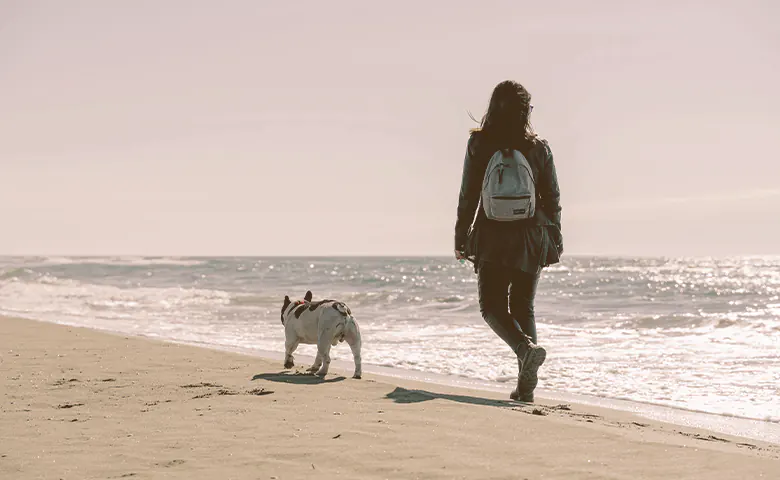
508	117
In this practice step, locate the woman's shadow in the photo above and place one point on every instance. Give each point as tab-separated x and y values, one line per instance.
399	395
403	395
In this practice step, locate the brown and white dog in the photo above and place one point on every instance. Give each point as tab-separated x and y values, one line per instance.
324	323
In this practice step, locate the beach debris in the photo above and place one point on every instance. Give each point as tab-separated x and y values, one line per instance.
535	411
201	385
221	391
562	406
588	415
259	391
69	405
62	381
109	380
707	438
748	445
710	438
337	436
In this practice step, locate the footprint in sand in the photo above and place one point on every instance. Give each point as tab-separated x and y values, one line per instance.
202	385
62	382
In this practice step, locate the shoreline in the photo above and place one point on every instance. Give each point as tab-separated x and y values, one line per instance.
600	343
736	426
744	427
80	403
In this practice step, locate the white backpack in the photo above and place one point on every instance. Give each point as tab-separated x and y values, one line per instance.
508	189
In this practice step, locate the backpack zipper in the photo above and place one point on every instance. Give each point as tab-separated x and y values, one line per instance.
516	197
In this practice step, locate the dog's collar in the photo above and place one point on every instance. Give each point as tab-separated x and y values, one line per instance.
293	306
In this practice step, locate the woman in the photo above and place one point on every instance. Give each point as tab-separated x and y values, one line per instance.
508	256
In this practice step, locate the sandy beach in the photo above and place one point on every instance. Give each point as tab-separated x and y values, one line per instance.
82	404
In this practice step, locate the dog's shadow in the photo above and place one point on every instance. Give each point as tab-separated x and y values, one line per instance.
403	395
297	378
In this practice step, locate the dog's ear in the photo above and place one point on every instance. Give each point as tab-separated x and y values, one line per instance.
284	307
308	296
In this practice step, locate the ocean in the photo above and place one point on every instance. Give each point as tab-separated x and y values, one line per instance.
699	334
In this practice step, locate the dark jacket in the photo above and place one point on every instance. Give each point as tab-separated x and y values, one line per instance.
528	245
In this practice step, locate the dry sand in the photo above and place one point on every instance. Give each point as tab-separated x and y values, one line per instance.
80	404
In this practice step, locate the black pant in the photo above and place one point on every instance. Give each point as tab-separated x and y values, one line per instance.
496	285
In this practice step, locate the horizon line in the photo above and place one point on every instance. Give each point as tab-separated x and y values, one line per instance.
321	256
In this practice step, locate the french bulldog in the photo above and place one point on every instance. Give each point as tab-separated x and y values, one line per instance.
324	323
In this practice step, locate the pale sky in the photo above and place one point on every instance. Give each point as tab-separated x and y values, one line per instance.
250	127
